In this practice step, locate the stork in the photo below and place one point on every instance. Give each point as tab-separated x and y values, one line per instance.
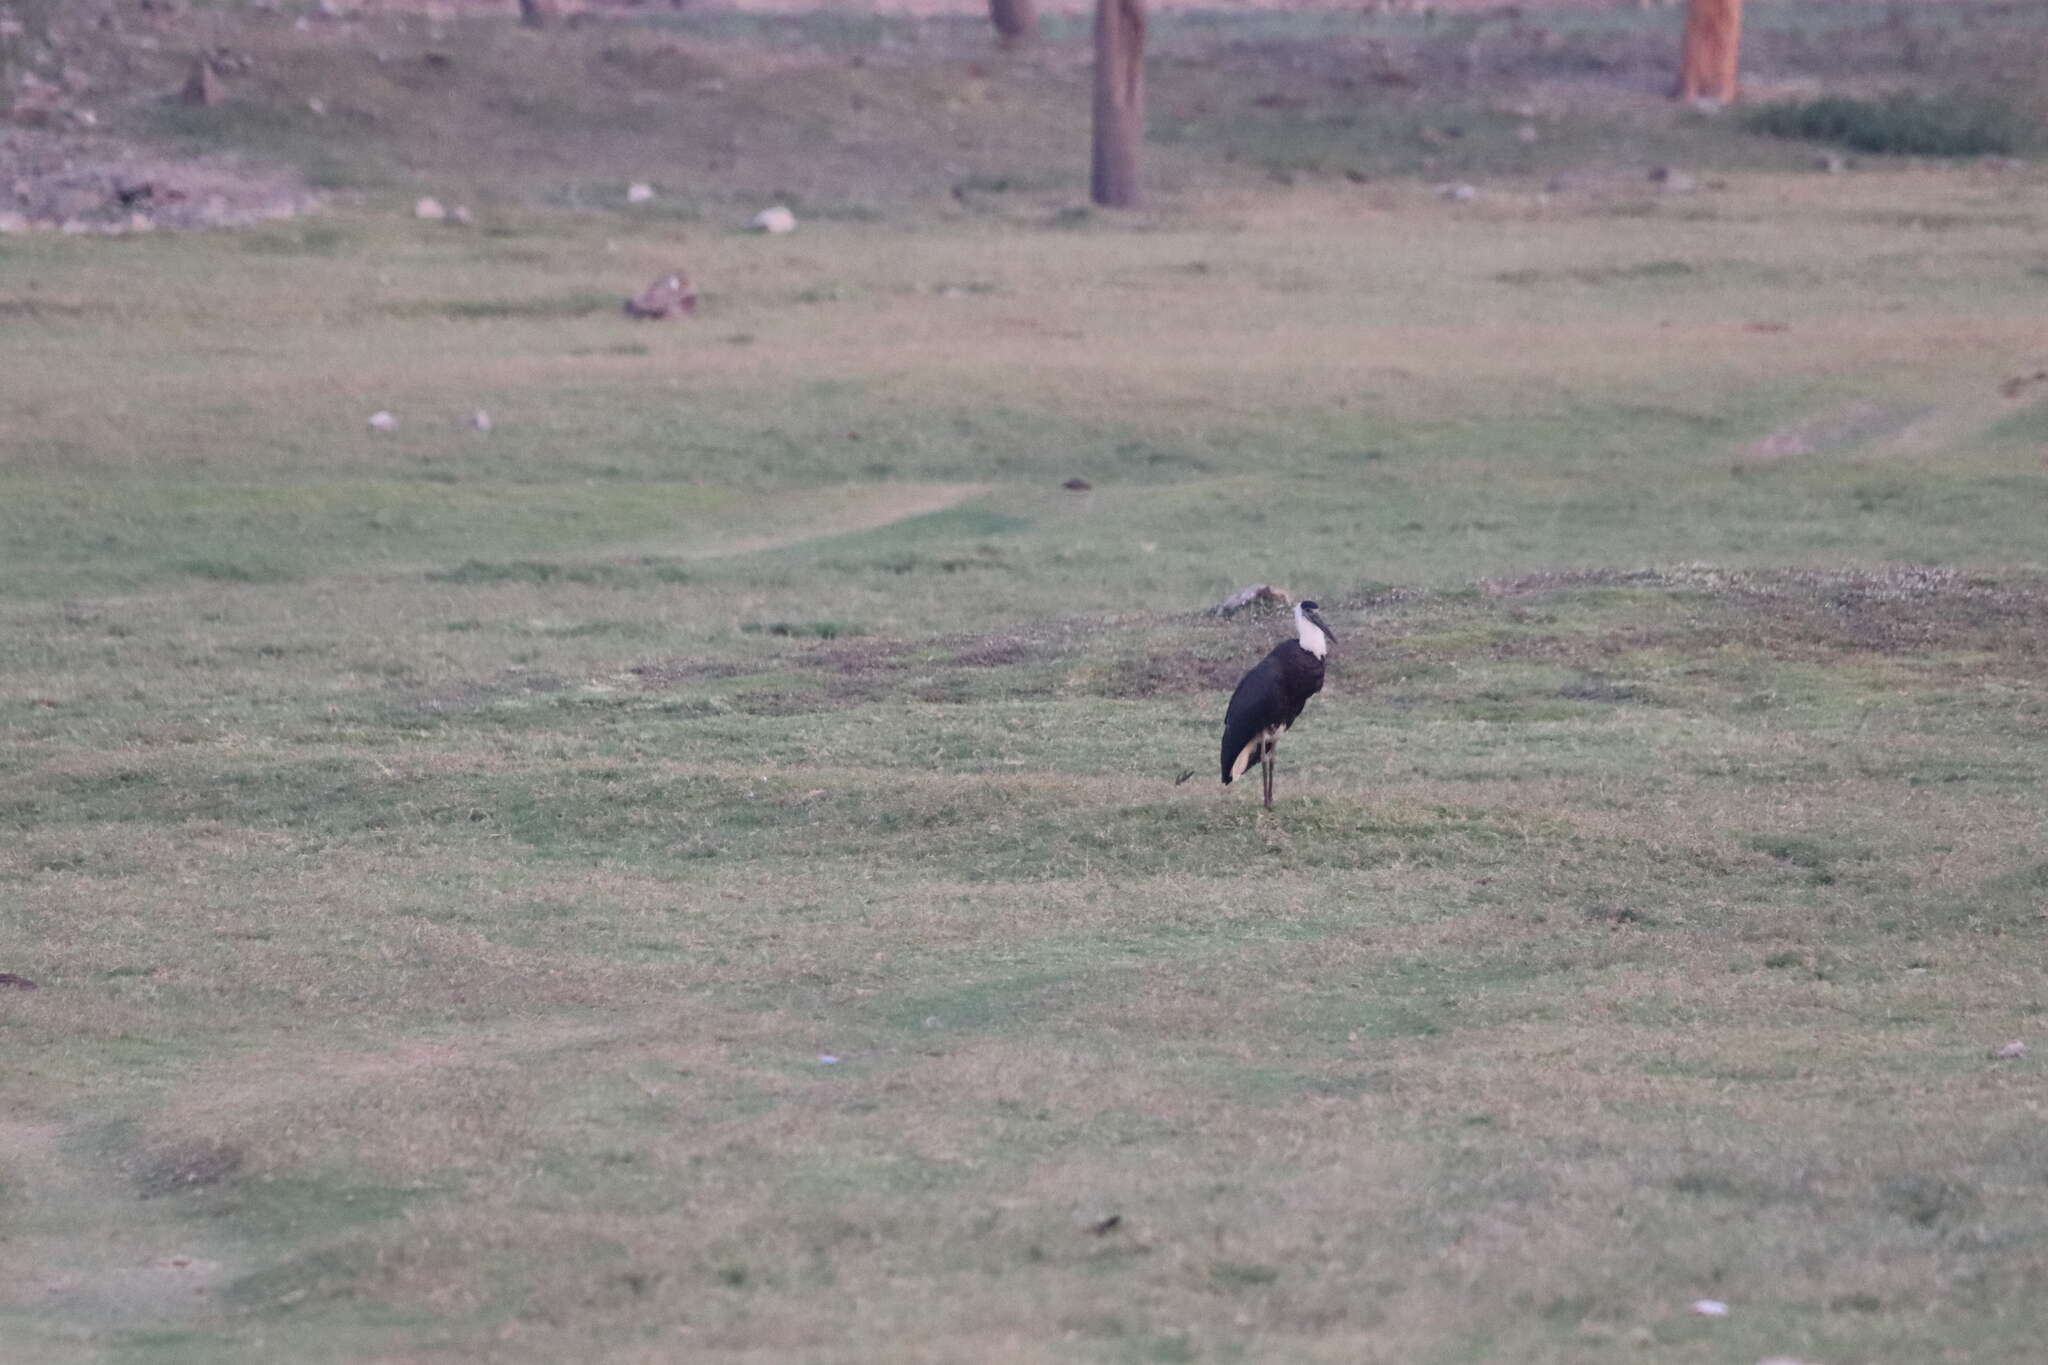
1271	695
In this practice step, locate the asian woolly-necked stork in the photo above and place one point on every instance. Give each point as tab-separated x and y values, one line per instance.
1271	695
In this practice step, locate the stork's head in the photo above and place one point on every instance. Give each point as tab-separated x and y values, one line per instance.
1310	629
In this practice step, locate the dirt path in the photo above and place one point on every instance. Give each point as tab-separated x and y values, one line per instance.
835	512
1902	429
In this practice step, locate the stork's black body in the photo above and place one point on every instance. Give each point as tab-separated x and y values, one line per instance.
1269	698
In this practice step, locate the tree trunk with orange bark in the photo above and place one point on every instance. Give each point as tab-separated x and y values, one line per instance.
1713	43
1119	102
1016	21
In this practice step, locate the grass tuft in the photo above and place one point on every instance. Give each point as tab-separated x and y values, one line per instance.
1903	124
816	630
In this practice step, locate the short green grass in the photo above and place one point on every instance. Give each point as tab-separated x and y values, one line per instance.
703	869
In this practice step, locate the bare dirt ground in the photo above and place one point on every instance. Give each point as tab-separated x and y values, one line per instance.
104	185
98	138
953	8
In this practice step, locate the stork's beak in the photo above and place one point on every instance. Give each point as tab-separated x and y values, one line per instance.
1322	625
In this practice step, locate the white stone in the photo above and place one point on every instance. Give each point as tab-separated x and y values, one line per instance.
639	192
381	420
429	209
775	220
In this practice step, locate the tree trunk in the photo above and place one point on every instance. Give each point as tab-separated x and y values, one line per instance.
1016	21
1119	101
1713	43
539	13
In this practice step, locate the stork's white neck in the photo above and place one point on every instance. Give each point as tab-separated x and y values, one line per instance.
1310	634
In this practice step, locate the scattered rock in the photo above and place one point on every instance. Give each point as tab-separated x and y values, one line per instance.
2009	1051
203	86
1831	163
1077	485
1527	133
775	220
1674	181
480	420
9	981
1710	1308
1103	1226
317	107
461	216
2020	383
671	296
1459	192
1257	596
429	209
639	192
381	420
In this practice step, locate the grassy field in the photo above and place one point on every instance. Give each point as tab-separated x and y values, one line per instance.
698	870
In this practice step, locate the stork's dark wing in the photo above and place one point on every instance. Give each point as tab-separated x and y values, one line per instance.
1260	701
1304	676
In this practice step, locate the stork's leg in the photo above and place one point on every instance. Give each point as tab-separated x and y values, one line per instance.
1272	745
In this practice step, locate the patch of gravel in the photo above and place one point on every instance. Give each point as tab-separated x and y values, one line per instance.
189	1166
63	182
1853	425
